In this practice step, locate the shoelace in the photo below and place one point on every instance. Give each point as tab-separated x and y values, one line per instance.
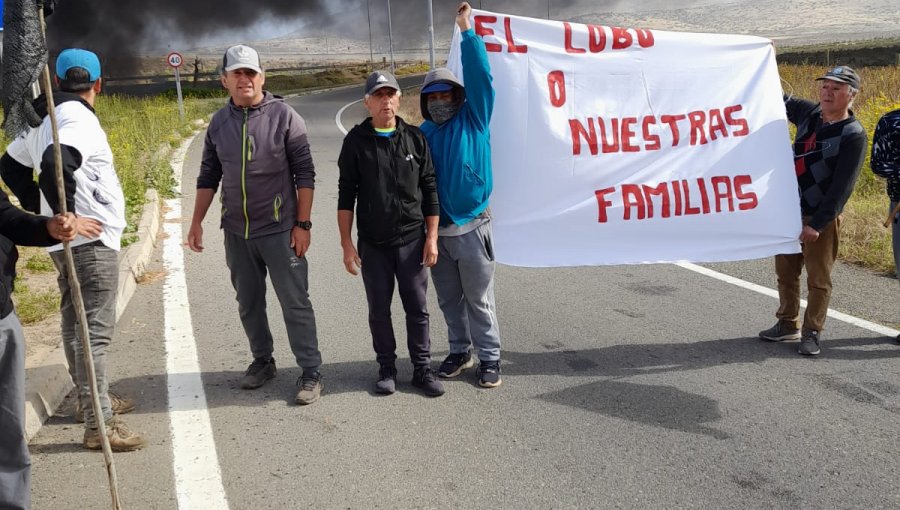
308	383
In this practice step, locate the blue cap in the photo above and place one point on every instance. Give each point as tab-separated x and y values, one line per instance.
74	57
437	87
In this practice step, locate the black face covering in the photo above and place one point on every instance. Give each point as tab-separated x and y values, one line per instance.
441	110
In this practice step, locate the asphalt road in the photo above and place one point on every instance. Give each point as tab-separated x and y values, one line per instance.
624	387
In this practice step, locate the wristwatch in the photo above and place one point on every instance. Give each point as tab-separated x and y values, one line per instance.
305	225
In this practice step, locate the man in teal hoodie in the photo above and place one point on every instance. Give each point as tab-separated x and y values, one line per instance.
457	127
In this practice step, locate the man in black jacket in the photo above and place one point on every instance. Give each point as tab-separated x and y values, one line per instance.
386	170
18	227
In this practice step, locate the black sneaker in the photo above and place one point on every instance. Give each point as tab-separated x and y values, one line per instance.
455	363
780	332
489	374
260	371
386	383
423	378
809	343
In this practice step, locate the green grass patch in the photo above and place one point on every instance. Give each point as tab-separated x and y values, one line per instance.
34	306
40	263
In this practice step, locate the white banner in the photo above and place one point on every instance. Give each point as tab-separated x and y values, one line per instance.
615	146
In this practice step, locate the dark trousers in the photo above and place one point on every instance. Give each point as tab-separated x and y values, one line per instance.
380	268
249	261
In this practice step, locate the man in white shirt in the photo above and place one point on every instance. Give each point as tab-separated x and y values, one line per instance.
94	194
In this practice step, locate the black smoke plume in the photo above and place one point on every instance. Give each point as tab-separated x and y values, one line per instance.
119	30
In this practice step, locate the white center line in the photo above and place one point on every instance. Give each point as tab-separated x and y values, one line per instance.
198	479
849	319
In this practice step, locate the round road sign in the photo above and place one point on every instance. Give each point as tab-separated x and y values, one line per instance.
174	59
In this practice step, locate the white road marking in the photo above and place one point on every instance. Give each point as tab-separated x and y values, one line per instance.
337	116
198	479
849	319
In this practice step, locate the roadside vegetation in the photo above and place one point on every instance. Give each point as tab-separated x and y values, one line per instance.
143	132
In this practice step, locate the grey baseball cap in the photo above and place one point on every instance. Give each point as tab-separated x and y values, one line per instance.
241	57
380	80
842	74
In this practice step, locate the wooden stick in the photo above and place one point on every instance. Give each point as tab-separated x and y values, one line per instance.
77	300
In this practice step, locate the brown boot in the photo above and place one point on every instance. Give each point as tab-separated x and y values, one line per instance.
118	403
121	438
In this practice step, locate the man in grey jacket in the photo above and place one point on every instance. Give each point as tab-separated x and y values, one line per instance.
257	147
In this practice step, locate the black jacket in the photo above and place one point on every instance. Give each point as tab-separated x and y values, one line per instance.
16	227
391	180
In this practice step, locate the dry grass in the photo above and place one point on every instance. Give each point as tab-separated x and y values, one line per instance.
864	240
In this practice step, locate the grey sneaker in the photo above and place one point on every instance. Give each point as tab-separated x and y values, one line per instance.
423	378
260	371
311	387
809	343
118	403
121	438
387	380
780	332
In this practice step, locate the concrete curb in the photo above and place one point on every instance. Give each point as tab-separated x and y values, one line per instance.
48	383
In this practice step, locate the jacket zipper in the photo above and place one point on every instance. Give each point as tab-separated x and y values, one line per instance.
245	156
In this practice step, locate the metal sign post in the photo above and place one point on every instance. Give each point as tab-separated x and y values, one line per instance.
174	59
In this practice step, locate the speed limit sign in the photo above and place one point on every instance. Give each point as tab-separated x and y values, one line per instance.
174	59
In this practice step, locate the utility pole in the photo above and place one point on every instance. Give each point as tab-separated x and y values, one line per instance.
369	18
390	35
431	35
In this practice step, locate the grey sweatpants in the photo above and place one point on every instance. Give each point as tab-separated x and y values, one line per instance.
464	282
249	260
15	462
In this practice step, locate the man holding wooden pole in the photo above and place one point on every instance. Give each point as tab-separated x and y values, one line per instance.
93	193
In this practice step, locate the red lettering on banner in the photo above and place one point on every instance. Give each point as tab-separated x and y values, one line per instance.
698	121
513	47
569	47
628	134
612	146
652	139
688	210
671	199
578	132
621	39
621	135
596	38
731	121
556	83
603	203
720	194
644	37
704	196
482	31
660	191
672	121
716	124
749	200
632	197
677	192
